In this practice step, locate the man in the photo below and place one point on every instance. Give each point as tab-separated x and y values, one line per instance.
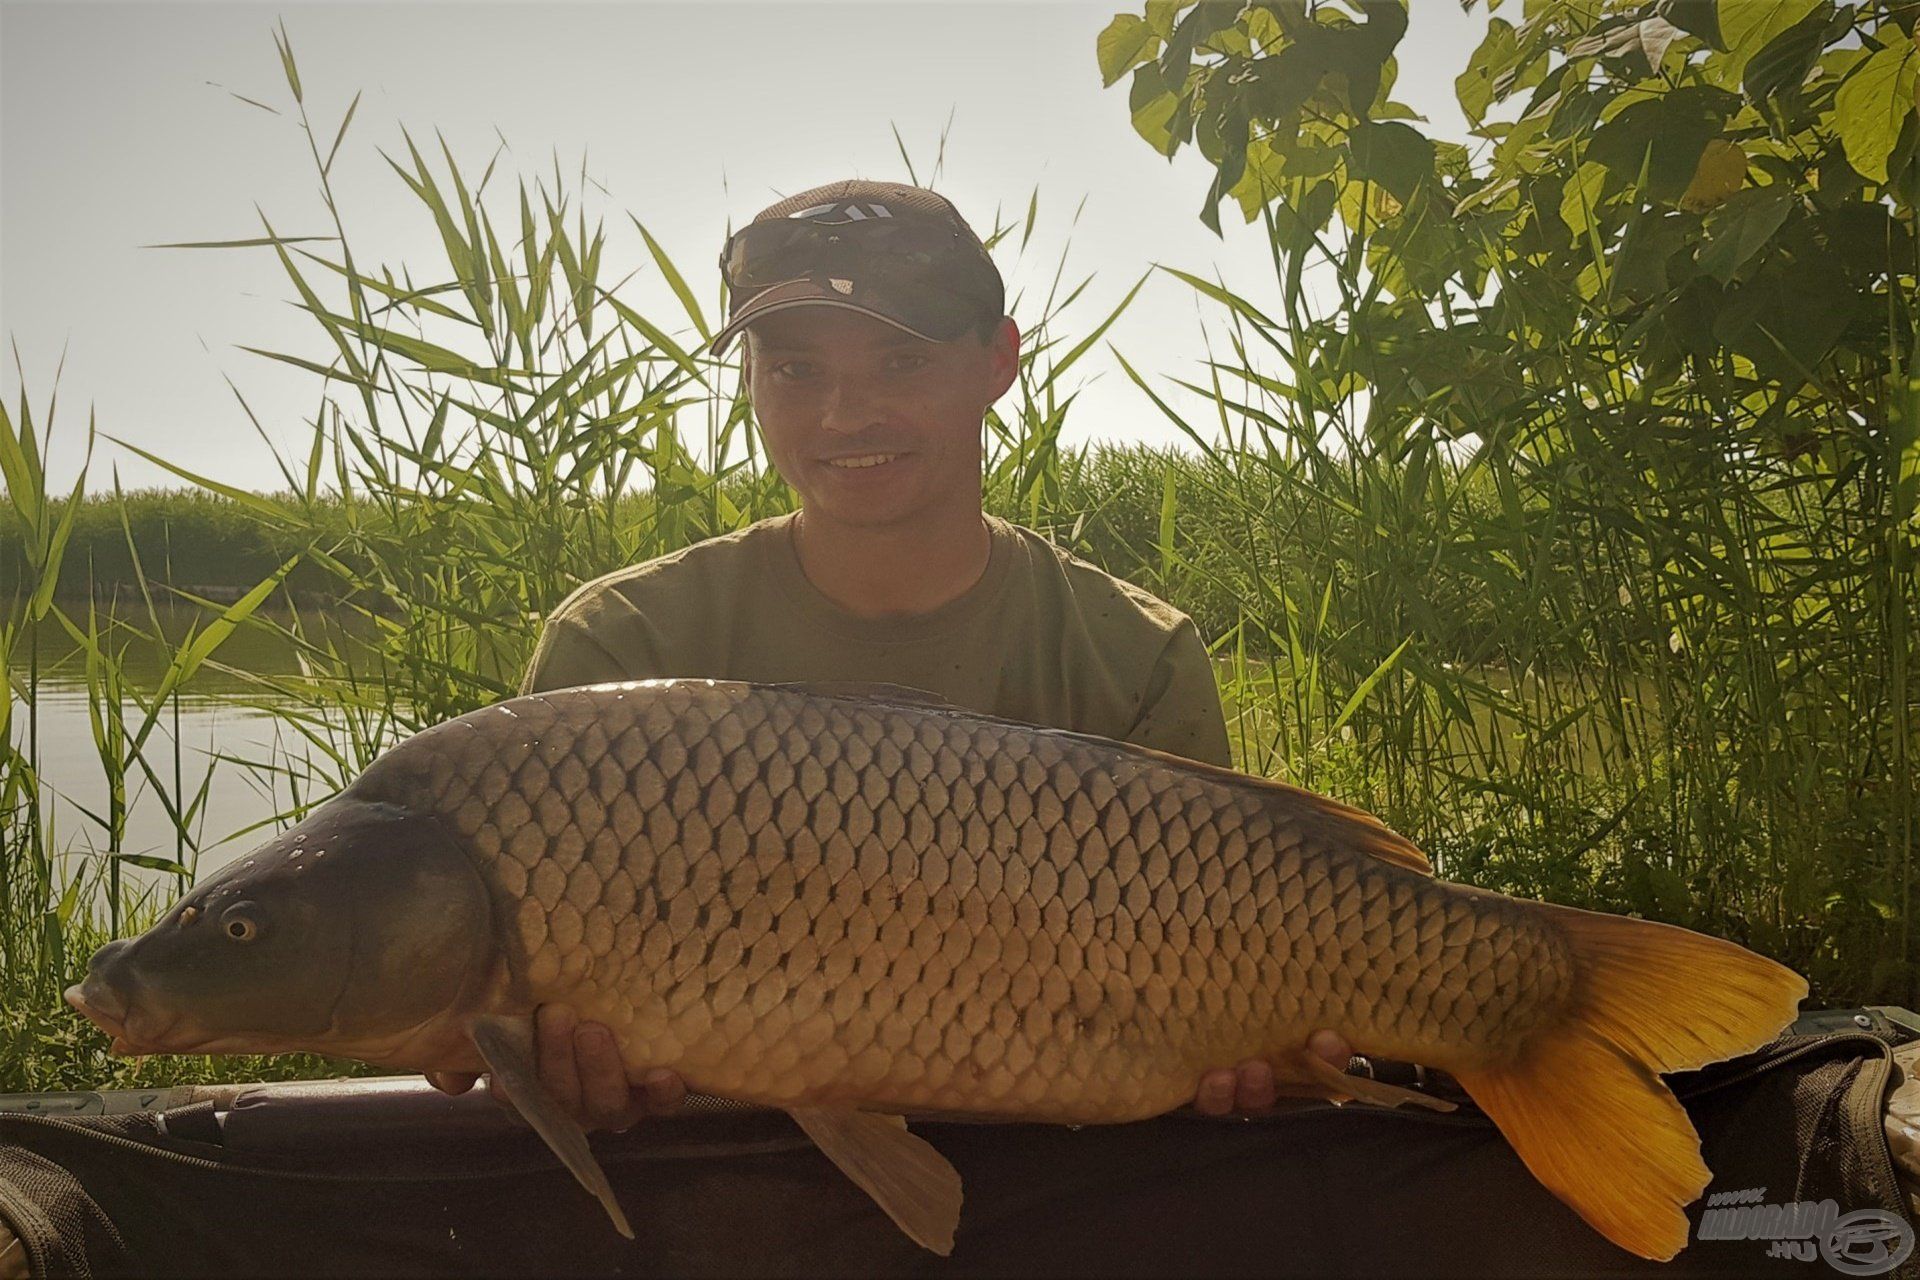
876	341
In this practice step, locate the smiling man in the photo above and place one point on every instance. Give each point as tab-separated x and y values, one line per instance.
876	341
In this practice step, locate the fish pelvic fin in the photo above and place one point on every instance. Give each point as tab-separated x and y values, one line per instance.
905	1176
507	1046
1303	1073
1582	1101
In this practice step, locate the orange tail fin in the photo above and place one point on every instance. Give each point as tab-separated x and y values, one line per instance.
1582	1102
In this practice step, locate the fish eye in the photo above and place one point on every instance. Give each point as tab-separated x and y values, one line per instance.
239	924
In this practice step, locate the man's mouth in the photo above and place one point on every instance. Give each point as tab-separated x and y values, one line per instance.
859	461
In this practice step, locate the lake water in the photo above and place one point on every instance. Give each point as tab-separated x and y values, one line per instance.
226	732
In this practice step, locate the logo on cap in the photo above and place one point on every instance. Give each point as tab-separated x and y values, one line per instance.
840	286
843	211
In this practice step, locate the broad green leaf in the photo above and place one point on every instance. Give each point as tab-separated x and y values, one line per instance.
1640	269
1658	140
1695	17
1498	55
1740	228
1394	156
1872	106
1780	67
1153	106
1125	44
1640	42
1722	172
1580	199
1748	26
1162	14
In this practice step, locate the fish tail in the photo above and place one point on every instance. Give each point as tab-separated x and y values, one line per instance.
1581	1099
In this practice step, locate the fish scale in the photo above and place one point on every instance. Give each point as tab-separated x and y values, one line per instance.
845	873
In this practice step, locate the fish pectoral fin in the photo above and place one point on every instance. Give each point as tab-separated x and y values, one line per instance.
507	1046
905	1176
1305	1073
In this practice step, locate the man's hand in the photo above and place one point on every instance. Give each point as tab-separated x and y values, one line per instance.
1249	1087
580	1066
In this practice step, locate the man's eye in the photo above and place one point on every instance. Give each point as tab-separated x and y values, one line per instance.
793	369
909	363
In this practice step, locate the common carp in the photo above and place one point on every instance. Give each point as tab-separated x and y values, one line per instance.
856	903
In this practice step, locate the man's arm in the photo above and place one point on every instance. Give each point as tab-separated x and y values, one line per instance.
1181	712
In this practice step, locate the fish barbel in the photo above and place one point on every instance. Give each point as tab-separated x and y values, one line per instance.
857	903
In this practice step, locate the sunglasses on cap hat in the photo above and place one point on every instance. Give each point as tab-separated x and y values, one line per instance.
921	275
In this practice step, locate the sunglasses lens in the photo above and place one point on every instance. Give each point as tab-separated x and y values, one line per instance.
926	277
768	253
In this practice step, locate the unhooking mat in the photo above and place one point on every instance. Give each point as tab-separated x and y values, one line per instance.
394	1179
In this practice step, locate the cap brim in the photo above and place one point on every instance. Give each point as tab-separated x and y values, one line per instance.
802	293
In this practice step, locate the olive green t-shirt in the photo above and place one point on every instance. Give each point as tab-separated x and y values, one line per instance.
1041	637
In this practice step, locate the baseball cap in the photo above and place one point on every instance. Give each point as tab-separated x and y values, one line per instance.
897	253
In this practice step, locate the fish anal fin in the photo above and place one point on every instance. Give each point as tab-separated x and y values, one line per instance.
906	1177
1581	1098
1305	1074
507	1046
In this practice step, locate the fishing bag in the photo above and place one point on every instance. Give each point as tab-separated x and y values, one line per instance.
390	1178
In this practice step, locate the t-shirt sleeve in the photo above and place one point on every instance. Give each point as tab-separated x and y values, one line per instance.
1182	712
567	655
570	653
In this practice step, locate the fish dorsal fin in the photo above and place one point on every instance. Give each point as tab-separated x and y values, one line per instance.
872	691
905	1176
1337	824
507	1046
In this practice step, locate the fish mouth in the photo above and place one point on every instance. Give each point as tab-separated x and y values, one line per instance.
128	1027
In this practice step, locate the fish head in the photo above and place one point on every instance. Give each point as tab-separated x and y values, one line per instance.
352	934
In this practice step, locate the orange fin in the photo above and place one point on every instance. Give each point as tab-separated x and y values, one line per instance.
1581	1100
905	1176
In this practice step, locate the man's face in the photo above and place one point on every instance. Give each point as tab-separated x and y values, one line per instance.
870	425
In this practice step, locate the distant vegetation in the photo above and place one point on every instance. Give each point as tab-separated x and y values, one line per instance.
1564	511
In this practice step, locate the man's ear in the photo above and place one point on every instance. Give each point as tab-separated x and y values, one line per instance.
1005	349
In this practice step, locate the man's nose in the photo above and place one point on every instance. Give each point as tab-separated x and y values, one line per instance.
848	407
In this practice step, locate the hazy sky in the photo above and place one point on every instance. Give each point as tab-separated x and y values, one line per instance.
118	129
